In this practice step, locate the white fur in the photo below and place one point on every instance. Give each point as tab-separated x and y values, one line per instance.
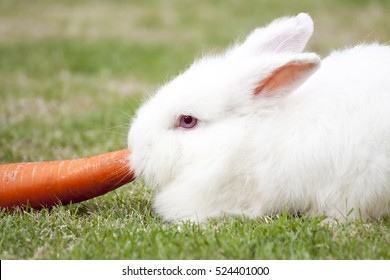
319	144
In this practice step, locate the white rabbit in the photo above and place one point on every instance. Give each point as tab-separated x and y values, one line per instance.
263	128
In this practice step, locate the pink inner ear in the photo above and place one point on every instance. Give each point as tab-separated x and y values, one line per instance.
283	77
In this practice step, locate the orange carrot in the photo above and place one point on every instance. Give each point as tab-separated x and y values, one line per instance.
44	184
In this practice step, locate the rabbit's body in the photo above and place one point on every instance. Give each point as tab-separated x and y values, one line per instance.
328	147
264	143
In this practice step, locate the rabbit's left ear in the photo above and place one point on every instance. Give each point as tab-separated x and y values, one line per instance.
289	34
285	78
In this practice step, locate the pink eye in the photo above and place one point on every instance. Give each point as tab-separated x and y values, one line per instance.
187	121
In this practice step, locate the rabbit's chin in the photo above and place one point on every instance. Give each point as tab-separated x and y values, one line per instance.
152	184
152	181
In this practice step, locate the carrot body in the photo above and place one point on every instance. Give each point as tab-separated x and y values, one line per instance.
44	184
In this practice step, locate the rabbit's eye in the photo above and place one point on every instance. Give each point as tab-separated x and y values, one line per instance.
187	121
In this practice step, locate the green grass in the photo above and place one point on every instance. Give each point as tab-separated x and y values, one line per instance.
72	73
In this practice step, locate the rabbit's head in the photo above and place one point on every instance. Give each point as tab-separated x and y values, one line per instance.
193	127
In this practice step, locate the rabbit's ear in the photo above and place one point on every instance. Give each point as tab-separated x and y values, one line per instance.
285	78
289	34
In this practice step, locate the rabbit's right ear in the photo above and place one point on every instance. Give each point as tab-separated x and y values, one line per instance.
284	78
289	34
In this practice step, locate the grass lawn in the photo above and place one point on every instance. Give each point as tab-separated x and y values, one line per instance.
72	73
